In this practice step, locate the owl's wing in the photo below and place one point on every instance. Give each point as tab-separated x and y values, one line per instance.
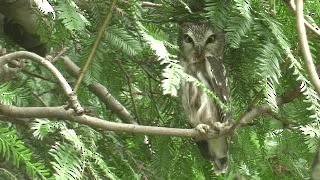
219	83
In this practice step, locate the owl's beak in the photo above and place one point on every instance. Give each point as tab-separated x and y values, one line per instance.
199	50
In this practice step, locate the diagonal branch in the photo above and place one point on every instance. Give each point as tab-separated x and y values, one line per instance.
102	92
95	45
262	109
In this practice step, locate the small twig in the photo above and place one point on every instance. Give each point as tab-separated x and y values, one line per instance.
18	65
63	50
130	89
149	73
151	96
40	99
37	75
305	47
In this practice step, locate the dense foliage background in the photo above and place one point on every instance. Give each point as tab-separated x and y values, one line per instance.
135	61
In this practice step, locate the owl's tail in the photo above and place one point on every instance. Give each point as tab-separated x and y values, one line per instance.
215	150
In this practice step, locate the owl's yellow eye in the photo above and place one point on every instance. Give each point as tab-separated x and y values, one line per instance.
187	38
211	39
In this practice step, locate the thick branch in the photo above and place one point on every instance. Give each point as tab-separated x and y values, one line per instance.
305	47
62	114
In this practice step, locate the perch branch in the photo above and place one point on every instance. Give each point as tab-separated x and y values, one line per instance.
63	114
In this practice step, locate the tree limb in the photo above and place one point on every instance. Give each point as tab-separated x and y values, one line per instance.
63	114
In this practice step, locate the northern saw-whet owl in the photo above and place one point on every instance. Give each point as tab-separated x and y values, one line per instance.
201	56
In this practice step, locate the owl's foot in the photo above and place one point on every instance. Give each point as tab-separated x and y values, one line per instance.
203	128
218	125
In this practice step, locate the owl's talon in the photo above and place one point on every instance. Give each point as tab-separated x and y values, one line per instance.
203	128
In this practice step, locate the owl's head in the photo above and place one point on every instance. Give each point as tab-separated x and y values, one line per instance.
198	40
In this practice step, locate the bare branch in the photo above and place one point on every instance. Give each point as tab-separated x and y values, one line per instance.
63	114
62	81
314	29
305	47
